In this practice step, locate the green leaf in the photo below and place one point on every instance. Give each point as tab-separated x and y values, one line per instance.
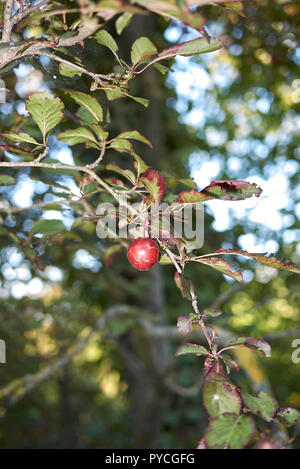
139	164
219	395
6	180
122	145
161	68
191	197
143	101
230	432
288	416
258	345
263	404
135	135
74	136
86	101
142	49
123	172
69	71
114	94
123	21
191	349
45	109
164	260
213	312
100	132
106	39
21	137
48	227
196	46
219	264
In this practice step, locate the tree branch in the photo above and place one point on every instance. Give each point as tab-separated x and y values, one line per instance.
20	16
8	23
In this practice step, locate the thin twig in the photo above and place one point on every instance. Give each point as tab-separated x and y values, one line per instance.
200	320
42	155
96	76
99	159
20	16
32	164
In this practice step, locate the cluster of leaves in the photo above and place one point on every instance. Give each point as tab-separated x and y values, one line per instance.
231	425
227	406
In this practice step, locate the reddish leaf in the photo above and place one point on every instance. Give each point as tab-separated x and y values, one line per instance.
232	190
185	323
224	190
196	46
262	259
155	184
258	345
220	265
184	285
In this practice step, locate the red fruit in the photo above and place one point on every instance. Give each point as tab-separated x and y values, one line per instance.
143	253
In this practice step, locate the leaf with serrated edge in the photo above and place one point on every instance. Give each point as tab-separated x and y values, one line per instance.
142	49
191	349
184	285
219	264
230	432
155	183
194	47
105	39
45	109
220	396
6	180
262	259
86	101
124	172
257	345
123	21
135	135
69	71
21	137
263	404
75	136
48	227
288	416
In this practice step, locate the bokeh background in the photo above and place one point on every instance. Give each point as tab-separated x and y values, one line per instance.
230	114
